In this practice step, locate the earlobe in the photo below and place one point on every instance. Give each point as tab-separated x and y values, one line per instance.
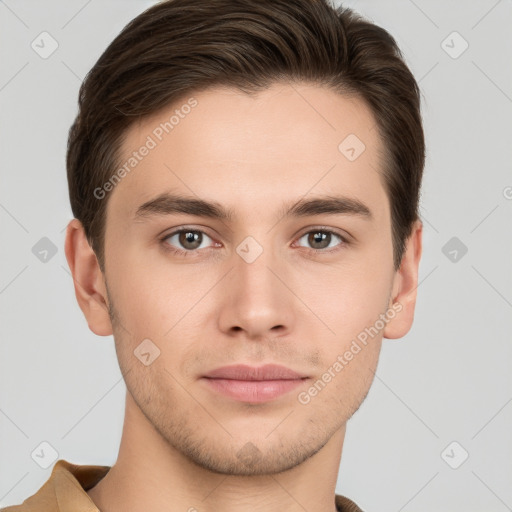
405	283
90	290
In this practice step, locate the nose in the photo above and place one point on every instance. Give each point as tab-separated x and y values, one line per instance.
255	301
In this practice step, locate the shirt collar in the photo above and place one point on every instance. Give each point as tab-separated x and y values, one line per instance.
66	488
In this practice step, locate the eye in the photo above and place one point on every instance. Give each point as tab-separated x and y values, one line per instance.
186	240
321	239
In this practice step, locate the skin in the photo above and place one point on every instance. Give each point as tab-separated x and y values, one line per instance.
183	445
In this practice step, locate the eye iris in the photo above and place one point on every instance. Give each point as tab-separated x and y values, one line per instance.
193	237
319	237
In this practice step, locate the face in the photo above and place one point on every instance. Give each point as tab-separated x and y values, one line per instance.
289	264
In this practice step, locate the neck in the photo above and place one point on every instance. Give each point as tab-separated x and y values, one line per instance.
150	475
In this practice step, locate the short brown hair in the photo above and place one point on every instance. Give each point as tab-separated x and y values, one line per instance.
178	47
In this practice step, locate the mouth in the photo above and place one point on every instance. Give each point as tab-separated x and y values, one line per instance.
253	391
253	384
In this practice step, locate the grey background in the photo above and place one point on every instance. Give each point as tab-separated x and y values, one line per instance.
448	380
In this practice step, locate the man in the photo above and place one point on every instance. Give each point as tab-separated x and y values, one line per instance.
245	178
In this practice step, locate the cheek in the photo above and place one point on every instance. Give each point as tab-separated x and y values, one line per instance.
337	393
351	306
150	297
346	299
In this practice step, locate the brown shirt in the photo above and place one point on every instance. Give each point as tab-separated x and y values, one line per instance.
65	490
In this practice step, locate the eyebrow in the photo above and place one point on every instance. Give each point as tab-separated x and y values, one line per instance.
168	204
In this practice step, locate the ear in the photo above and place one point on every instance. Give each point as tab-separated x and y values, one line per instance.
405	284
90	289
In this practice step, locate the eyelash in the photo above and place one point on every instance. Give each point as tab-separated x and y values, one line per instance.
185	253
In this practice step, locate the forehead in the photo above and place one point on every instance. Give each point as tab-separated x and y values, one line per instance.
282	143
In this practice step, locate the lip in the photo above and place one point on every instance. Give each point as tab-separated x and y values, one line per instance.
253	384
246	372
